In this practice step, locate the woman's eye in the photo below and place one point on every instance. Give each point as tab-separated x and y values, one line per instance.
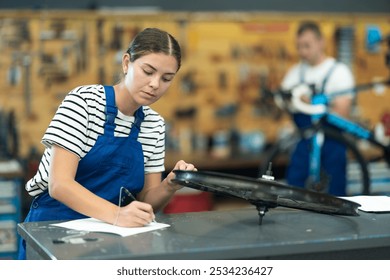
148	72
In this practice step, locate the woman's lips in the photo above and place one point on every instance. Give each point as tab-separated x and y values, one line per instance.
151	95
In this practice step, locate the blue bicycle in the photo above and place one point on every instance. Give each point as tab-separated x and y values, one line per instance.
324	125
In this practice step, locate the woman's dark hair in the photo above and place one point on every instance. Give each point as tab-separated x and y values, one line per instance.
154	40
309	26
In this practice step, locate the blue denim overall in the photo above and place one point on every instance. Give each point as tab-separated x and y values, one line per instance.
333	155
112	162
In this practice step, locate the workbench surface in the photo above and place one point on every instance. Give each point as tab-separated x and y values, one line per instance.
231	234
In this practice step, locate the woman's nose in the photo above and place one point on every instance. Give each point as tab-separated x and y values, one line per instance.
154	82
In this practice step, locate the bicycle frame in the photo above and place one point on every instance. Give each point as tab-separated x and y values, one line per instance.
319	113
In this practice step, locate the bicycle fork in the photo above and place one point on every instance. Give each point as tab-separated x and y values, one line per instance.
314	180
317	141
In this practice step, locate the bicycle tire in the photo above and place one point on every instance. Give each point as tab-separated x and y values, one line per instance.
268	193
357	155
282	148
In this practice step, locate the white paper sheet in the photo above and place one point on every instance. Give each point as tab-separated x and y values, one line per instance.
371	203
94	225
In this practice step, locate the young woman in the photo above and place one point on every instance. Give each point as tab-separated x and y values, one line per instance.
106	138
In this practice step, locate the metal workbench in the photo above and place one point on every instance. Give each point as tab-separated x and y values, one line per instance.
231	234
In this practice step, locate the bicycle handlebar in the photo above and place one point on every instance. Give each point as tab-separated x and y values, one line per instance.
312	109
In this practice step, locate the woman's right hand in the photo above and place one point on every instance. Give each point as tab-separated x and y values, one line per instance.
135	214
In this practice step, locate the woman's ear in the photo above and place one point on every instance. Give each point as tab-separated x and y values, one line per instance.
125	62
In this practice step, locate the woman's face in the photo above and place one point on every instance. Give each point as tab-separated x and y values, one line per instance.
149	77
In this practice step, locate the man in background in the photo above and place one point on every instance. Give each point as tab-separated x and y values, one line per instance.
327	75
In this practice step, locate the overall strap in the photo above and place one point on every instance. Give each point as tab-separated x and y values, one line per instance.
301	74
324	82
139	117
330	71
111	110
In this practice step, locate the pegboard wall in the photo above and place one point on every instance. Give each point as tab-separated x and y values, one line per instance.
228	58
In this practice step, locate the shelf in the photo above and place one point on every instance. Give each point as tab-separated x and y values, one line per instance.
11	176
8	239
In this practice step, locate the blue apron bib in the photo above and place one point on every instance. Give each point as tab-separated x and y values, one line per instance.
112	163
333	155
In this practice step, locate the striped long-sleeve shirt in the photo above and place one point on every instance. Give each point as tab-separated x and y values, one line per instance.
79	121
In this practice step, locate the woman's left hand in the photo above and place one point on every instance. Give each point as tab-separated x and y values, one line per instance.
180	165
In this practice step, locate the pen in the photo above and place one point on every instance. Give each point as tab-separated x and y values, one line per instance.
129	194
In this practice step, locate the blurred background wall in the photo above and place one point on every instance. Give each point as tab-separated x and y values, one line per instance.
231	54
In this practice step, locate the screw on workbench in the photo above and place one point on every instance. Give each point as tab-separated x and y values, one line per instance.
261	209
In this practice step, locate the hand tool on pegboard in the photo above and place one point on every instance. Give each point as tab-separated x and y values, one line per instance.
27	87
